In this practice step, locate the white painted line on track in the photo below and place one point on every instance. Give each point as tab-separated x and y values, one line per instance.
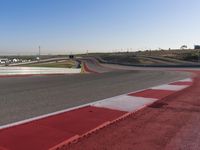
48	115
40	117
170	87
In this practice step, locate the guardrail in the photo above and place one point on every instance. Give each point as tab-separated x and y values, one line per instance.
150	65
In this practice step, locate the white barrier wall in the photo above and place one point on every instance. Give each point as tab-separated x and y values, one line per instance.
36	70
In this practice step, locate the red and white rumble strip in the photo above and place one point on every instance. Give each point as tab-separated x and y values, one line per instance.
53	131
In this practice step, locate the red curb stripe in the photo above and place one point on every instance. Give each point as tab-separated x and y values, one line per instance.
76	139
86	68
45	133
64	143
1	148
181	83
151	93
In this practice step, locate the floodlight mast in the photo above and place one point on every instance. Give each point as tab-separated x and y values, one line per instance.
39	50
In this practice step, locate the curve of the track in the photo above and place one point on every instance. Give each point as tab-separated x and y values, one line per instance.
25	97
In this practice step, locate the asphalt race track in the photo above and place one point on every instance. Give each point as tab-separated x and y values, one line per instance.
25	97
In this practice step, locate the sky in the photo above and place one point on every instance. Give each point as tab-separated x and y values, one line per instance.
75	26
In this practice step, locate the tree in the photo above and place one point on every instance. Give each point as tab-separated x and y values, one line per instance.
183	47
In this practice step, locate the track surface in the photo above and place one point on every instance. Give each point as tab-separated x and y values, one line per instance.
171	124
26	97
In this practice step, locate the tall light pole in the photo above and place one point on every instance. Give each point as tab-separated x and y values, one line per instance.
39	48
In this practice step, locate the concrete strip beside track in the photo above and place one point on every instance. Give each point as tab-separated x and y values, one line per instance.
36	70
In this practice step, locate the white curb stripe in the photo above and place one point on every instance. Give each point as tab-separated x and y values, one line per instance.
170	87
125	103
186	80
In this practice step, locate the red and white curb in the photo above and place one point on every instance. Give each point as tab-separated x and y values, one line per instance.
56	130
86	69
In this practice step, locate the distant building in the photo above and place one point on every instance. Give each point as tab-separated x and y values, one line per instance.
15	60
197	47
71	56
3	60
37	58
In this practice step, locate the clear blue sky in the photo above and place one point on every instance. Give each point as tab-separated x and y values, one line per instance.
64	26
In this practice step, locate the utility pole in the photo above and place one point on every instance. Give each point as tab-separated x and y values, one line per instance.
39	48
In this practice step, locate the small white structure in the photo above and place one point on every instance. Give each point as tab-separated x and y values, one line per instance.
15	60
37	58
3	60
